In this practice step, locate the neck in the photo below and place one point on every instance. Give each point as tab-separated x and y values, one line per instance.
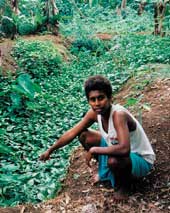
106	115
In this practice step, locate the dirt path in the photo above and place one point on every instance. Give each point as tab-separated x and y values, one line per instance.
151	194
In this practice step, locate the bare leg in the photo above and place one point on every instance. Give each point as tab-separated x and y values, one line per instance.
88	139
121	167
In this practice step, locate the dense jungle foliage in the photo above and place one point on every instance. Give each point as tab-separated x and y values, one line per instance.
45	96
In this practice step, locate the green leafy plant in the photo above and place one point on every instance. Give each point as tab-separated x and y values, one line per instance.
4	149
23	93
85	44
38	58
32	118
26	87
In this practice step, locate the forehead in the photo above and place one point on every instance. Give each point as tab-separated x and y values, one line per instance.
96	93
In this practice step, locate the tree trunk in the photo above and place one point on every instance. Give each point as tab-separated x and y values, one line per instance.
159	13
47	14
141	7
55	10
123	4
50	11
121	7
15	8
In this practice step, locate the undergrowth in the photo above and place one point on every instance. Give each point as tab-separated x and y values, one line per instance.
45	97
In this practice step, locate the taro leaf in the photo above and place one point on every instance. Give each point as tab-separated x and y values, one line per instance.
31	105
26	86
16	100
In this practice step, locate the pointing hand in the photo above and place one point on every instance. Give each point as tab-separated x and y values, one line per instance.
45	156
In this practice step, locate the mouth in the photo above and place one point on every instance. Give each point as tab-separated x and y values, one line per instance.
98	110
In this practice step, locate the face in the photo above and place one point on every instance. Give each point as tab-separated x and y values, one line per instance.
99	102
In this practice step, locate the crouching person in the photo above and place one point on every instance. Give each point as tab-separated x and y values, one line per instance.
122	148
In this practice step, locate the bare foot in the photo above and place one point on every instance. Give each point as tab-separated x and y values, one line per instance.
120	196
94	175
95	179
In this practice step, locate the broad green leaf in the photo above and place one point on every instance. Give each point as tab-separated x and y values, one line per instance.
26	86
16	100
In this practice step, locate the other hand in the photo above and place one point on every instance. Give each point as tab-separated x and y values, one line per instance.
45	156
88	158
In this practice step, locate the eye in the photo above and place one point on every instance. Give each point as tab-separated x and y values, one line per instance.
101	97
92	99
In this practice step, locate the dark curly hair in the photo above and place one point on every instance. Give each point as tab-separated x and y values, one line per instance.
98	82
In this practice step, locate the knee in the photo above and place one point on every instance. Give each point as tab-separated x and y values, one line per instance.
83	140
82	137
112	163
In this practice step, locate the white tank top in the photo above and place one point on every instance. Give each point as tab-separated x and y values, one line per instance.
139	142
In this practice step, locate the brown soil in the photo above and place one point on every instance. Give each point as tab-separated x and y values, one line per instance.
7	63
150	194
104	36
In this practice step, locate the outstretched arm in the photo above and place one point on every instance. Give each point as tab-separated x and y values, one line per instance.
68	136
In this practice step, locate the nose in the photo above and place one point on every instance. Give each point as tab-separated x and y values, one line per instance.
97	102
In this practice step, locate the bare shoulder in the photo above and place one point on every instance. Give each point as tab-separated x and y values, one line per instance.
120	115
88	119
123	118
91	116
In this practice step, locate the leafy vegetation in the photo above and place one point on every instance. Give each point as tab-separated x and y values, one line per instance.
28	17
45	97
33	60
